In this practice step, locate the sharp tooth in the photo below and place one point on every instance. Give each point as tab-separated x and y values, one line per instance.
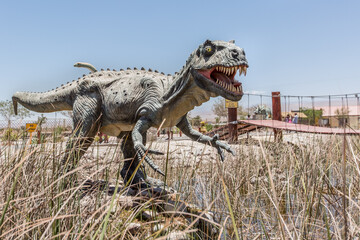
240	71
236	89
233	88
228	71
222	69
245	69
232	70
217	81
216	68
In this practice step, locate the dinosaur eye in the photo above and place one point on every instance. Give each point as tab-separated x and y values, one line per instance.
208	50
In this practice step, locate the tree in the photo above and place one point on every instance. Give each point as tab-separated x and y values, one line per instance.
342	112
219	108
196	121
313	115
7	111
241	113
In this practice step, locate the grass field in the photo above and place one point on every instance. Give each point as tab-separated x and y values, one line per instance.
289	190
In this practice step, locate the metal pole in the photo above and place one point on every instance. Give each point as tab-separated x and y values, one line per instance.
344	186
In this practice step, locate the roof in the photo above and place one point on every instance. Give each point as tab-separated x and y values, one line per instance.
354	110
300	114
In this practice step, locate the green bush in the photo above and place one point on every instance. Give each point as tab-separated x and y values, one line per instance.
10	135
58	131
209	127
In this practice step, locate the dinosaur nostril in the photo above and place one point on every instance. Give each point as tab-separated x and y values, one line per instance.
234	53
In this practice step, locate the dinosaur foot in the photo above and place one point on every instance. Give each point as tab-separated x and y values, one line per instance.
103	186
147	186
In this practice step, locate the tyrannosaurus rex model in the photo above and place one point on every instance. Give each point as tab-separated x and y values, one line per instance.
133	100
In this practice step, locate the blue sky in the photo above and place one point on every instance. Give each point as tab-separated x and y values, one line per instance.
295	47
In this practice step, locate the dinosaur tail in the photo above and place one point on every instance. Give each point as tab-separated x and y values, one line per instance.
52	101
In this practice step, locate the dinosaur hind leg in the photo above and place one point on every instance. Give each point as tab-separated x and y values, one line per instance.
86	117
131	163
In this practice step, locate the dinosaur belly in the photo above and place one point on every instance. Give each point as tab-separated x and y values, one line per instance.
114	129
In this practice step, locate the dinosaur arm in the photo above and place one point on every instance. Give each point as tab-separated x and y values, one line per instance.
141	126
185	126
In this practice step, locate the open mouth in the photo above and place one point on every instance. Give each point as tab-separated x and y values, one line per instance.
224	77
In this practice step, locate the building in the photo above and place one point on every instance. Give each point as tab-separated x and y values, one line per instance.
338	116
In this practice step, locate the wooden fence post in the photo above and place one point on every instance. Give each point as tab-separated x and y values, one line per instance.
232	124
276	113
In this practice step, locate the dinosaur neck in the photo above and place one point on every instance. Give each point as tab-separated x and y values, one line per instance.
183	96
192	96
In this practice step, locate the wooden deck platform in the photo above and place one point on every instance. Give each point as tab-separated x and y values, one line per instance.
298	127
245	126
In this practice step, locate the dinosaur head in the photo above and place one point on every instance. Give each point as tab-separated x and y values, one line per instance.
214	66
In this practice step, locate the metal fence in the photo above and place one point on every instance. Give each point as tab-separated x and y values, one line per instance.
48	124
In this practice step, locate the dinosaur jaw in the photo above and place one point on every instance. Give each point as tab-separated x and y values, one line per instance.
221	80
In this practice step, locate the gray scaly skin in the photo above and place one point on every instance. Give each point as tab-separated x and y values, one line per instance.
129	102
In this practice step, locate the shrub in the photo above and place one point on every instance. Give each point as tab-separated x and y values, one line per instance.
10	135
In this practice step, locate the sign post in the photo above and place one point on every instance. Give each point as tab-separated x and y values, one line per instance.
30	128
232	119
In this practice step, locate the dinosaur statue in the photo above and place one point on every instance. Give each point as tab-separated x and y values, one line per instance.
127	103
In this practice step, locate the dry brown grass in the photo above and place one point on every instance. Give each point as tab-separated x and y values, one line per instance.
276	191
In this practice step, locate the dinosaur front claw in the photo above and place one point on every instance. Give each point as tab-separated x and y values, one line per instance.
221	145
150	151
